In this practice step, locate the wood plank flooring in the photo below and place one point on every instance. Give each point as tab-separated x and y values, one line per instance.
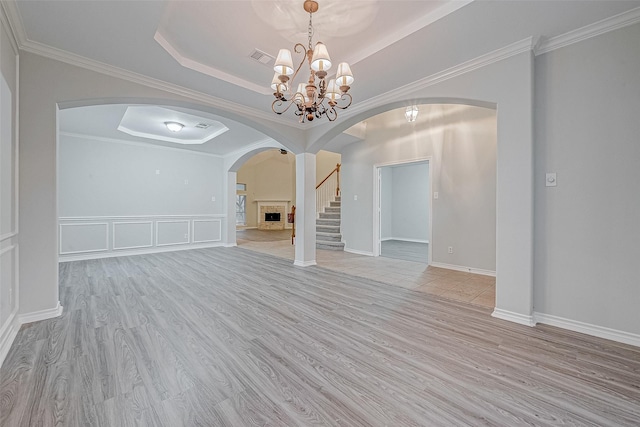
409	251
230	337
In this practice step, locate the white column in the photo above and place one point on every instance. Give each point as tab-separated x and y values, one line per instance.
230	194
305	210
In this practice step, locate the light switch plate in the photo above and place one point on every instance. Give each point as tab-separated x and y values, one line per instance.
551	179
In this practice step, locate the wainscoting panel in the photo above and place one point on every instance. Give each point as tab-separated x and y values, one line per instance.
174	232
8	269
132	235
93	237
207	230
84	237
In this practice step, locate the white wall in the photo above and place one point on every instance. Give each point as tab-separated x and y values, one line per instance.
115	195
461	142
97	177
587	229
9	234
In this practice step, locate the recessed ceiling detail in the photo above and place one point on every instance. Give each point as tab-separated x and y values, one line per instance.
150	122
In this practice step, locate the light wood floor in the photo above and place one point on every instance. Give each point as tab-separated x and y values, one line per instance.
409	251
456	285
230	337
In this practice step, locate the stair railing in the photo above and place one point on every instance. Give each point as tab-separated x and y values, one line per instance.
328	189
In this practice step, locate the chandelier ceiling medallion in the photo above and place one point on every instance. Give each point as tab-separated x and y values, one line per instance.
311	100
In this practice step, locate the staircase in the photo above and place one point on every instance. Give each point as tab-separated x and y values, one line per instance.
328	227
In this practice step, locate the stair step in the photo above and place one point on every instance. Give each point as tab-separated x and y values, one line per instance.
325	215
331	210
328	221
327	228
328	237
335	204
338	198
332	246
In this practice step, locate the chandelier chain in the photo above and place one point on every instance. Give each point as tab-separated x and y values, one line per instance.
310	30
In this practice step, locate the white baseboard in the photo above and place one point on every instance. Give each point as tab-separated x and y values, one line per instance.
463	268
402	239
589	329
36	316
357	252
99	255
304	263
8	333
230	245
513	317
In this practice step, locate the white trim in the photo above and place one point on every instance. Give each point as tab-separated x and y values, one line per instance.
463	268
403	239
481	61
587	328
6	22
8	236
106	239
8	333
513	317
36	316
118	217
606	25
207	69
207	220
138	144
304	263
113	233
358	252
377	231
174	222
124	253
230	245
376	46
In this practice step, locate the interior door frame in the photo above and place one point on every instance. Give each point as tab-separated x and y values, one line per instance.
377	199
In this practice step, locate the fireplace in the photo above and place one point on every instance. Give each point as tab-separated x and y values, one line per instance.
272	216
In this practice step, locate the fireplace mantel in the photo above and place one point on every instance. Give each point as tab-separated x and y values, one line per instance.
272	206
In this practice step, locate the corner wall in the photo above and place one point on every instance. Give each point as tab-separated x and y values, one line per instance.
587	228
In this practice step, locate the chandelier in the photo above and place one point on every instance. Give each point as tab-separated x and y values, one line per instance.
311	100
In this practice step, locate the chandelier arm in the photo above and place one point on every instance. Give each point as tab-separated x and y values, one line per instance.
275	106
342	98
296	50
331	113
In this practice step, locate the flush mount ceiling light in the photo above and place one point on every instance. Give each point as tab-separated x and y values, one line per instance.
174	126
411	113
311	101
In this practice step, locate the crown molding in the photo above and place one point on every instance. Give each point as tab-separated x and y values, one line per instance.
8	9
420	23
15	22
526	45
622	20
207	69
139	144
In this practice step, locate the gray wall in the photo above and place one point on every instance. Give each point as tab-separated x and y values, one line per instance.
461	142
405	202
587	229
100	178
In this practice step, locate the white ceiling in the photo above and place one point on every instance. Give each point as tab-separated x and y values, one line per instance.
390	43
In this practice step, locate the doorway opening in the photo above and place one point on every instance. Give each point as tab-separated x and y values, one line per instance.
402	224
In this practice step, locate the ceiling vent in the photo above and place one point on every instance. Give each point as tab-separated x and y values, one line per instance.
202	126
262	57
